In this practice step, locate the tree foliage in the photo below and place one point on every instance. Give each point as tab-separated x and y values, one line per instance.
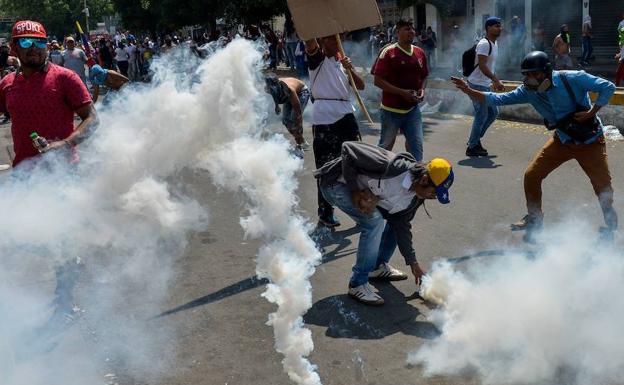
58	16
254	11
164	15
158	15
445	7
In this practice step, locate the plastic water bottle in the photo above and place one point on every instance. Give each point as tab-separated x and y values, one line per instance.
39	142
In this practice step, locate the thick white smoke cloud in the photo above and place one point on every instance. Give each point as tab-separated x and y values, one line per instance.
266	173
86	253
534	320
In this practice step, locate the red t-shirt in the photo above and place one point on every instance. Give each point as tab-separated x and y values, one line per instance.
401	69
43	103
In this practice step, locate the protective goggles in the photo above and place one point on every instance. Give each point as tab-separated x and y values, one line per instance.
27	42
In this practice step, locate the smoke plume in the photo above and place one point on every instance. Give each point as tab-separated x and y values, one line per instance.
87	250
549	318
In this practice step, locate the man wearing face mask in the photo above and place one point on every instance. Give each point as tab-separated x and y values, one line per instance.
562	98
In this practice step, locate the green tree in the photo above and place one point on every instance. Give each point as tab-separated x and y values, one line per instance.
143	15
254	11
58	16
159	15
444	6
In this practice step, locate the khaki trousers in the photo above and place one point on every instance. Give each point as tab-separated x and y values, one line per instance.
593	160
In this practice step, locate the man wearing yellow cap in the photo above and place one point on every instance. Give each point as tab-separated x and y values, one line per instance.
381	191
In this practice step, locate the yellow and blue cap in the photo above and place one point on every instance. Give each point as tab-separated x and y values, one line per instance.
441	174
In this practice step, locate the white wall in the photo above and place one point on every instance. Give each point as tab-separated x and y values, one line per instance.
433	21
483	7
409	13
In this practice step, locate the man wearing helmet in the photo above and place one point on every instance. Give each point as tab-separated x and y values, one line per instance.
562	98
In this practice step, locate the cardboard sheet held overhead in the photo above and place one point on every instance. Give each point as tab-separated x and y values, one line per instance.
318	18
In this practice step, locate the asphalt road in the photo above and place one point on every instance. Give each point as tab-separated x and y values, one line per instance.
216	317
216	300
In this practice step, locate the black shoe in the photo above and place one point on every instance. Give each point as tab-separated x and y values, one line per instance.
329	221
475	151
482	149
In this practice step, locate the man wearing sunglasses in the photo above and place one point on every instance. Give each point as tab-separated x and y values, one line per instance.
43	97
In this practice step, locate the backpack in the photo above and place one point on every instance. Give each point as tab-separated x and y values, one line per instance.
469	57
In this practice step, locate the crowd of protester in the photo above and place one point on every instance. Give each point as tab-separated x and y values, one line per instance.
378	189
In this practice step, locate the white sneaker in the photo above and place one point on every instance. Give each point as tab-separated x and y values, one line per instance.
365	294
387	272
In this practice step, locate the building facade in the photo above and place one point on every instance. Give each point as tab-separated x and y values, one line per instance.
551	14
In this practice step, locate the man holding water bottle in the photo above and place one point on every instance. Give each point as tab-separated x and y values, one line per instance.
43	97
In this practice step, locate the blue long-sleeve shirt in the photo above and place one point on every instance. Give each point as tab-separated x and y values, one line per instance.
555	104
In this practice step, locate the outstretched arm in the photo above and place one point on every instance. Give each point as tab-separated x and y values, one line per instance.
463	86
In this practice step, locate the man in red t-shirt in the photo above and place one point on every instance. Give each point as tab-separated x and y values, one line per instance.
400	71
43	97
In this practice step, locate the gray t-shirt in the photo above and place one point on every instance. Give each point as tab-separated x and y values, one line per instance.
75	60
56	57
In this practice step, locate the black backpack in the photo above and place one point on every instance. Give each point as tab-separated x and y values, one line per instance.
469	57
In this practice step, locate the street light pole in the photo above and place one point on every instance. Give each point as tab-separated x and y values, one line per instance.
86	11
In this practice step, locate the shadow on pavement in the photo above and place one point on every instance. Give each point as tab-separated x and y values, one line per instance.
340	238
480	162
238	287
490	253
346	318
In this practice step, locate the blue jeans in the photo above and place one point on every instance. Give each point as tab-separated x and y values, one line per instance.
372	226
387	245
588	49
290	53
483	118
288	114
411	123
273	56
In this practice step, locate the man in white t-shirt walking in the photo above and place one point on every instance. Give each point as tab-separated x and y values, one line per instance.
333	122
484	79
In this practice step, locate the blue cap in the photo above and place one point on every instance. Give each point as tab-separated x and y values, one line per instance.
492	21
98	75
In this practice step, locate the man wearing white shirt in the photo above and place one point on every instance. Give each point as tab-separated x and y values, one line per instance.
333	122
483	78
133	64
381	192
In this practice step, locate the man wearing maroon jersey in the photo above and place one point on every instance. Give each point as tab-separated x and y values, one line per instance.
400	71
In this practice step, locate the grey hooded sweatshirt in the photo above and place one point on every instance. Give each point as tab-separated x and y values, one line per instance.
360	158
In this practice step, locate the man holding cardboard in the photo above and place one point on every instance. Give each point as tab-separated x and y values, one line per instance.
333	122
